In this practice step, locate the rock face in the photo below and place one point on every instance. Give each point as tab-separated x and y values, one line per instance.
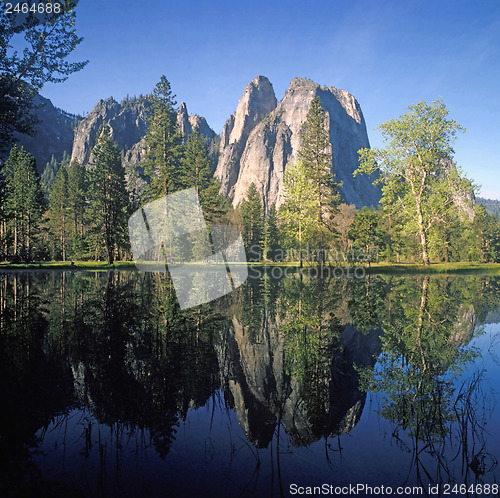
128	123
260	140
54	133
257	102
187	123
261	392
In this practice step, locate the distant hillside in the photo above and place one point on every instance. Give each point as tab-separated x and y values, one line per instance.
492	206
54	133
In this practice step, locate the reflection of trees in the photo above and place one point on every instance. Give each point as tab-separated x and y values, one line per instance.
291	363
311	336
427	328
143	361
33	385
284	353
122	341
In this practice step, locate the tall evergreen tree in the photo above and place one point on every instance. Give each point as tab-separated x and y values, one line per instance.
107	196
196	173
316	157
49	175
365	233
48	41
163	144
77	205
23	201
272	235
59	214
252	215
195	162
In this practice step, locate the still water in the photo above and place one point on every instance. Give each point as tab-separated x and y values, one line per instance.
108	389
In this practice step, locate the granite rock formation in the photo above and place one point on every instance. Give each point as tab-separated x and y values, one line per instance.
187	123
261	139
128	122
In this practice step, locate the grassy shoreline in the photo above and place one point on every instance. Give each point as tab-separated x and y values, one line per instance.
376	268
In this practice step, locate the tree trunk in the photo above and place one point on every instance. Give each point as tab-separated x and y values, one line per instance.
423	235
300	246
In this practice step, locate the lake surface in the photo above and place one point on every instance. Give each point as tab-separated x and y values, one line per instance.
109	389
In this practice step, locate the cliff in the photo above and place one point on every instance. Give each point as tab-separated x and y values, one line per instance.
261	139
53	134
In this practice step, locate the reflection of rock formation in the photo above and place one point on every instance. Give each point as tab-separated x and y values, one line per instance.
464	326
347	401
261	392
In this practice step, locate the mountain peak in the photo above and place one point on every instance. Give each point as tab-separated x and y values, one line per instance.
259	150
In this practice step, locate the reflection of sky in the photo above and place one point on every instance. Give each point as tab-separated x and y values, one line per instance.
387	54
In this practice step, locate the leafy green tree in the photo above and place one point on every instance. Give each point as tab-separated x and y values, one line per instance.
272	240
316	157
415	166
23	202
298	214
163	144
76	207
48	41
107	196
59	213
252	215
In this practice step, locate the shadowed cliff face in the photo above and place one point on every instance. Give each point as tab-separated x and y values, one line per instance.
128	123
261	153
53	134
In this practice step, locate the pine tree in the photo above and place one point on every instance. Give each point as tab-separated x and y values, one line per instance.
196	173
163	144
59	214
76	206
195	163
272	236
315	155
107	196
49	175
23	202
252	215
47	41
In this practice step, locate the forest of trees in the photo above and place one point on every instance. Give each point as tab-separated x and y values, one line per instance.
427	211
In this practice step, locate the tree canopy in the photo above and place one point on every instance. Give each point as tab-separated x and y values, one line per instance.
49	38
419	177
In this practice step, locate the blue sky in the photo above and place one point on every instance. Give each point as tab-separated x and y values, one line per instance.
387	54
